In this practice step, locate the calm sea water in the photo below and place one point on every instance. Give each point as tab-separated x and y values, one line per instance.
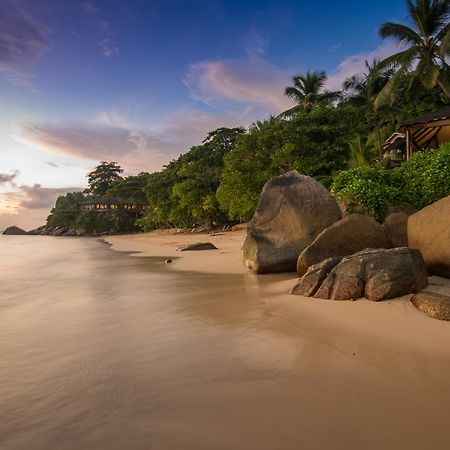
103	350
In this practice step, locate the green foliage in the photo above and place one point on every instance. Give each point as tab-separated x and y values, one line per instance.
102	178
65	212
368	189
422	180
129	189
424	46
314	143
426	176
184	192
308	92
95	222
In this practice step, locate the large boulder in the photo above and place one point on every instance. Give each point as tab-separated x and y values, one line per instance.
429	231
395	227
433	304
292	210
345	237
376	274
13	230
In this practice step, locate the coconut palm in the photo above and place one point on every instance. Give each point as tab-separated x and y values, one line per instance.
308	91
427	45
363	91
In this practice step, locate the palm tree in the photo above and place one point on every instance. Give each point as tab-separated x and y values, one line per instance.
364	90
308	92
427	45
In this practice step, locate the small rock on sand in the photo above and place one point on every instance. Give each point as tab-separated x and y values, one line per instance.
197	246
433	304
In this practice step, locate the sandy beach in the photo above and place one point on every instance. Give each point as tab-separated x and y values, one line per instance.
366	374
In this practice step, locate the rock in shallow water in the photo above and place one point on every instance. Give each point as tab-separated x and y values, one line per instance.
433	304
13	230
292	210
377	274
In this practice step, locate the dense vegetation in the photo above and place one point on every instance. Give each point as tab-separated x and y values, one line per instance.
103	181
422	180
335	137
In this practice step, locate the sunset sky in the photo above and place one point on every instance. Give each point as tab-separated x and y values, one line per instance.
139	82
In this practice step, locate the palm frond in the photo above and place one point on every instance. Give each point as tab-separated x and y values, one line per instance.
389	88
402	33
294	93
444	37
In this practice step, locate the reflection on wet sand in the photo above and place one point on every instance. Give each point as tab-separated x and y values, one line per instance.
100	349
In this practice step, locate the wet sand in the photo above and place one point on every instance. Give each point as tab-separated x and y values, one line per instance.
328	375
100	349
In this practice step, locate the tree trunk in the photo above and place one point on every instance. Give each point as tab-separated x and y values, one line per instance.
443	85
380	143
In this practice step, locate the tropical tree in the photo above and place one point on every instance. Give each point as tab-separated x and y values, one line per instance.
427	46
363	91
129	188
308	91
103	177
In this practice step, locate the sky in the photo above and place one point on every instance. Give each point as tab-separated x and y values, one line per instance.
140	82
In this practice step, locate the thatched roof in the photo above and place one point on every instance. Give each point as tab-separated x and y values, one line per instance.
104	200
442	114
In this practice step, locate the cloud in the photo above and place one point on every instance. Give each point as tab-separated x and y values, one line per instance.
31	197
80	140
8	178
36	196
107	43
109	47
114	138
89	7
23	41
29	205
254	83
356	64
255	44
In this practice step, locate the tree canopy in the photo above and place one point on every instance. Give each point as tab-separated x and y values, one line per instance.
427	44
102	178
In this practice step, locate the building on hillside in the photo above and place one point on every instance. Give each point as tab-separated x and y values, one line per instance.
107	204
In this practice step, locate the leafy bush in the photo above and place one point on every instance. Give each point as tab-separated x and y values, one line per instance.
422	180
368	189
426	176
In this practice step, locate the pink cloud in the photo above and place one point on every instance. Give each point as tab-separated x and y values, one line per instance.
254	83
136	149
28	206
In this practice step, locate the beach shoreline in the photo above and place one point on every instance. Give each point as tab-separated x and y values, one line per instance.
390	322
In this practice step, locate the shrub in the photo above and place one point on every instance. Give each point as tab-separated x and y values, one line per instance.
368	189
426	176
422	180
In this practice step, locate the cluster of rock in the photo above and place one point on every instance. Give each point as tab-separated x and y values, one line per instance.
45	230
298	226
376	274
